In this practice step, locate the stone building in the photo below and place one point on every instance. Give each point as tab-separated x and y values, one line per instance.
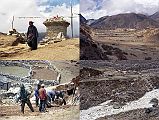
4	84
55	26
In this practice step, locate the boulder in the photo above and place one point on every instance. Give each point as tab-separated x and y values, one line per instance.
21	39
60	35
154	102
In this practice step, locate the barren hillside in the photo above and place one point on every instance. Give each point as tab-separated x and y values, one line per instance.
11	49
122	91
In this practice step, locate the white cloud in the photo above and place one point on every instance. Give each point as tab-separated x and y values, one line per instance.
19	8
64	11
87	4
148	2
112	7
30	8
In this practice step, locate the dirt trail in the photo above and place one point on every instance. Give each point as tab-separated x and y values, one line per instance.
65	50
55	113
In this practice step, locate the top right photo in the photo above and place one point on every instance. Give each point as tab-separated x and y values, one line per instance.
119	30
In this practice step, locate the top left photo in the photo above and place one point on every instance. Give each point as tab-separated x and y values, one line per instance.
39	30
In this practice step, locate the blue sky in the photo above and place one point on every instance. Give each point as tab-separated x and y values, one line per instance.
98	4
56	2
49	4
50	8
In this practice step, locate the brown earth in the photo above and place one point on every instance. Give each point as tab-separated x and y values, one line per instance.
138	114
133	44
44	74
121	82
64	50
54	113
120	43
7	40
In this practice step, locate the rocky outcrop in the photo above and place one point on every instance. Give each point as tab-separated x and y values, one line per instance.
93	50
89	72
89	49
82	19
138	114
155	16
121	82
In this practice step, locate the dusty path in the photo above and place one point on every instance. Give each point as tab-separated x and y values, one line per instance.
55	113
65	50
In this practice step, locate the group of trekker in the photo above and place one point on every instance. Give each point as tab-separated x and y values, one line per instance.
43	98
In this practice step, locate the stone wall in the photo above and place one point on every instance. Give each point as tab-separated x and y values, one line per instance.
5	85
55	27
53	31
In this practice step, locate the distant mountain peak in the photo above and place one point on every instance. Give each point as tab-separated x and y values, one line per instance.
82	19
125	20
155	16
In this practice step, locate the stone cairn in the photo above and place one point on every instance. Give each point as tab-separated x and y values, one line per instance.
20	37
56	29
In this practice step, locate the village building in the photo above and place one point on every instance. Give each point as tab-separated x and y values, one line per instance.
4	84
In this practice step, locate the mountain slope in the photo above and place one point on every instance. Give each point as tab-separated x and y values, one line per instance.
127	20
155	16
82	19
90	21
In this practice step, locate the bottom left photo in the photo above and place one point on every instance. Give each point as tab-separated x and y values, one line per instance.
39	89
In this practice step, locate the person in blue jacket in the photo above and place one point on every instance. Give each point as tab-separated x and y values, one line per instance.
37	94
52	95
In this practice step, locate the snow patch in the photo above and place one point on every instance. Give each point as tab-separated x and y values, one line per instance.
104	109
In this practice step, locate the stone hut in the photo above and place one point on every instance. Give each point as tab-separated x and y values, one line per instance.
4	85
55	26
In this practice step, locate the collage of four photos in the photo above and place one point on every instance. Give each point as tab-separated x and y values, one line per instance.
79	59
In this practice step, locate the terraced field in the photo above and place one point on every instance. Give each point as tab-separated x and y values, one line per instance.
135	44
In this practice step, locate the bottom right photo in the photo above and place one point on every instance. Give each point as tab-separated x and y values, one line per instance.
120	90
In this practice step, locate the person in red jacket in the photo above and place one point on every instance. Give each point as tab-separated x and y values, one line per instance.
43	98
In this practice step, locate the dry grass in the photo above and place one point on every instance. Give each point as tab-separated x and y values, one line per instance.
65	50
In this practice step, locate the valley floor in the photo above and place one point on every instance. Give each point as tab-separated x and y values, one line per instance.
134	44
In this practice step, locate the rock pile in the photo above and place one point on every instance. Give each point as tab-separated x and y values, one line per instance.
89	72
20	37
